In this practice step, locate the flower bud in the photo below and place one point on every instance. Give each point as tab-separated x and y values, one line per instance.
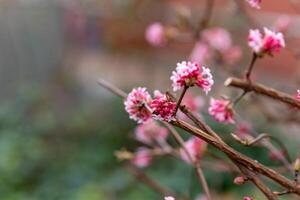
297	165
239	180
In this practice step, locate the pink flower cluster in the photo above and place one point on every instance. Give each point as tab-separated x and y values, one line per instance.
195	146
254	3
155	34
247	198
150	132
298	95
163	108
188	74
137	105
220	111
270	43
142	157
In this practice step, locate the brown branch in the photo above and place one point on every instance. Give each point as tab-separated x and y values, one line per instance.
258	183
263	90
238	157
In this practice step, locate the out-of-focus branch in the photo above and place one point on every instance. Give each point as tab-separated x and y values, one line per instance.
195	163
263	90
147	180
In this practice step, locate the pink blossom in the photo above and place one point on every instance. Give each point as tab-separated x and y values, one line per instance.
270	43
282	23
247	198
163	107
137	105
142	157
169	198
220	111
243	128
200	52
218	38
232	55
195	146
298	95
155	34
254	3
190	74
150	132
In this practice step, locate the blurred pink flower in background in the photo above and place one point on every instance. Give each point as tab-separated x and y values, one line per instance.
194	103
155	34
270	43
200	53
142	157
190	74
247	198
195	146
282	23
254	3
232	55
220	111
150	132
137	105
169	198
298	95
217	38
243	129
162	107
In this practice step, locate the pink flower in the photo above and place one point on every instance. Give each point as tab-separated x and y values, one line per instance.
243	128
270	43
217	38
298	95
232	55
195	146
254	3
200	53
150	132
282	23
220	111
190	74
155	34
169	198
137	105
142	157
247	198
163	108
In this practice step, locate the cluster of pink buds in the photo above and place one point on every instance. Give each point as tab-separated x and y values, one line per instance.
137	105
156	34
195	146
221	111
150	132
188	74
254	3
142	157
270	43
163	107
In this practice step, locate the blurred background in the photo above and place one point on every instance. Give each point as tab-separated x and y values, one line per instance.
59	129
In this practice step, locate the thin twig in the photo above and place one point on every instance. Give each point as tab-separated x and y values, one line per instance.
180	98
196	164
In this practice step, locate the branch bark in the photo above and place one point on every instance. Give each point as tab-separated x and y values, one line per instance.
263	90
